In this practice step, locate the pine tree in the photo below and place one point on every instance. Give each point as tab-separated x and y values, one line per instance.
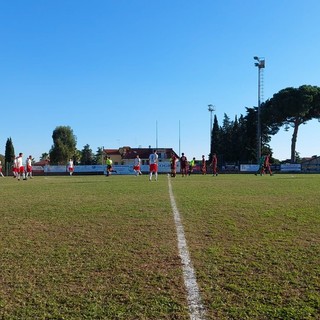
9	153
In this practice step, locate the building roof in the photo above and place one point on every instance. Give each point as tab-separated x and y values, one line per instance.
313	159
41	163
131	153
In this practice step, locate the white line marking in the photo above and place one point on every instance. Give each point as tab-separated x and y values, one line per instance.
196	309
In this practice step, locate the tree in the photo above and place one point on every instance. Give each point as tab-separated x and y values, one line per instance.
236	141
86	155
292	107
44	156
77	156
64	145
215	138
226	140
99	157
9	152
246	143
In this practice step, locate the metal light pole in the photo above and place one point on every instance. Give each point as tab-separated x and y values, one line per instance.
211	108
261	65
179	139
157	134
102	153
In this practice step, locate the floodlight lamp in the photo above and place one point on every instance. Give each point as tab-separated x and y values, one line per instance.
256	58
210	107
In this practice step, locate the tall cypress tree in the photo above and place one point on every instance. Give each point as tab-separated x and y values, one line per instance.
9	153
215	138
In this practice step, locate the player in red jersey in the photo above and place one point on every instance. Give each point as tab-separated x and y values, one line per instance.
173	165
183	164
266	164
203	165
214	164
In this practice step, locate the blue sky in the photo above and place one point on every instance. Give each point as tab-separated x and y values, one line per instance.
115	70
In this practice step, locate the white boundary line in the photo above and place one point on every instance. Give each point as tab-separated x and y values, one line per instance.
196	309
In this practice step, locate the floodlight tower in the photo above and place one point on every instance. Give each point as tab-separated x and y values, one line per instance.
102	153
260	64
211	108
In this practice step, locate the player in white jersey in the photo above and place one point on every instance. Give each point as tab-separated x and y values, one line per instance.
137	165
20	167
14	167
153	165
1	174
70	167
29	167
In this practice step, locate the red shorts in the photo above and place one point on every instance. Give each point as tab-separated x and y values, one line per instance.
70	169
136	168
21	169
29	168
153	167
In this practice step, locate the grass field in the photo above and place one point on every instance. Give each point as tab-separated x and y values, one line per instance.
91	247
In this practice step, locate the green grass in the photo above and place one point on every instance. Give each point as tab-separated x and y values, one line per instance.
255	244
91	247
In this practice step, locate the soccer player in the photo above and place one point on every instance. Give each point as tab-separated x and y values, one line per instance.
203	165
153	165
191	165
1	174
137	166
20	167
70	167
173	165
266	164
29	167
183	164
214	164
14	167
109	166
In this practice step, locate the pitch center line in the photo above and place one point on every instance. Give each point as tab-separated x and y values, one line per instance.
196	309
